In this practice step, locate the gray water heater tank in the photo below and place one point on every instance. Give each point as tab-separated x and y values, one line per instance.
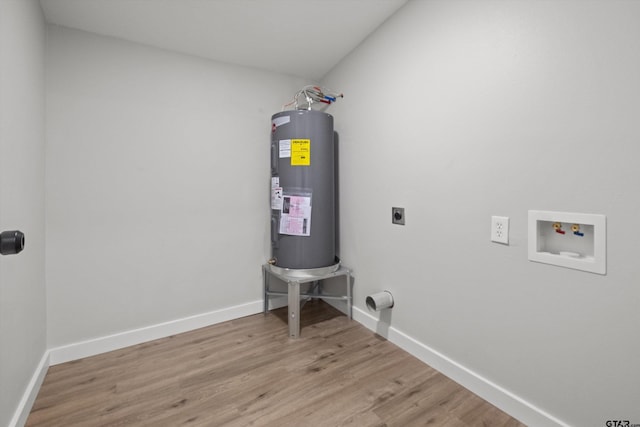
303	230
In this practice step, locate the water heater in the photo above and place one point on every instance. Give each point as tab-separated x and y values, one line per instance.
303	205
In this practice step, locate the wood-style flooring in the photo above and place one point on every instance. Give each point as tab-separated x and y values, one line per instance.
247	372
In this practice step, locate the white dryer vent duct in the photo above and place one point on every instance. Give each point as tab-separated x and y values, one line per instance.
380	301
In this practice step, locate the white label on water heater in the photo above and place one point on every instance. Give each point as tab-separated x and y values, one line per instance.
285	148
276	198
279	121
296	216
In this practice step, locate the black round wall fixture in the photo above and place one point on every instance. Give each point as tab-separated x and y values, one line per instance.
11	242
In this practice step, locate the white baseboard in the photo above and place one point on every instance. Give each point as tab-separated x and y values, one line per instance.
120	340
277	302
26	403
489	391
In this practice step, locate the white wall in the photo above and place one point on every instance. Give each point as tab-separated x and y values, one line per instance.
462	110
22	281
156	184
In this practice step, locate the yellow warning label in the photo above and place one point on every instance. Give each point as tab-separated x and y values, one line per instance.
300	152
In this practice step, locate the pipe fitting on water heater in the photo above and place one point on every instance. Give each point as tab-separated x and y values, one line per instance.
380	301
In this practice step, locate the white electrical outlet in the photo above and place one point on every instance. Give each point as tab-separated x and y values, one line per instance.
500	229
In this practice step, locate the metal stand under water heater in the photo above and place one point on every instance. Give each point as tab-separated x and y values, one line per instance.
303	196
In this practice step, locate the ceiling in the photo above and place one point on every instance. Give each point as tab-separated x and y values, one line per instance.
305	38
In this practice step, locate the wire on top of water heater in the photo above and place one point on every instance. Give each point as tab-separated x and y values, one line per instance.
313	94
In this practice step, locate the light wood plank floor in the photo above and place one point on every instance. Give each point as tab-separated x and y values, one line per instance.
247	372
